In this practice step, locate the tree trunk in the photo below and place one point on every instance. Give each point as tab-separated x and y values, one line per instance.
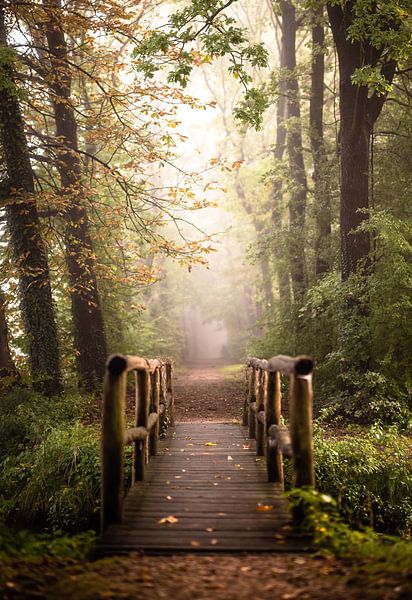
26	242
320	175
297	202
89	335
276	193
358	114
7	366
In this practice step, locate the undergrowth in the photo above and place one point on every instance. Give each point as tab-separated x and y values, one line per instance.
376	553
370	475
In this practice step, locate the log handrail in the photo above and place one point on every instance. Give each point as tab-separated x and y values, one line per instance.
262	414
154	410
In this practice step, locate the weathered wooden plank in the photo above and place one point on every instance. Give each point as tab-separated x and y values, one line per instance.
213	497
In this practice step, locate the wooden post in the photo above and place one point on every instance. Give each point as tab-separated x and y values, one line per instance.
245	413
251	399
274	461
112	454
142	412
260	406
171	391
163	398
154	407
301	429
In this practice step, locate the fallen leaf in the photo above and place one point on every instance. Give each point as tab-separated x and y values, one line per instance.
168	497
195	543
264	507
170	520
229	458
209	529
210	444
214	542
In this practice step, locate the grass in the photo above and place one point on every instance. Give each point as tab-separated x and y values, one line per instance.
232	372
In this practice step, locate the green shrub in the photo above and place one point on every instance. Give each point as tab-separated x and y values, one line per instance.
379	554
56	483
26	545
370	475
27	416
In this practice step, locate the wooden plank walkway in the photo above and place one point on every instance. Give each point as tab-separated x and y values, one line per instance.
205	491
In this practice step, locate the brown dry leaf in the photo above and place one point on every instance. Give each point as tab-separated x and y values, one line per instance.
276	571
214	541
195	543
169	520
209	529
264	507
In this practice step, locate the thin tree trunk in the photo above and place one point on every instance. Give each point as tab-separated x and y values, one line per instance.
276	192
297	202
27	245
89	335
7	367
322	190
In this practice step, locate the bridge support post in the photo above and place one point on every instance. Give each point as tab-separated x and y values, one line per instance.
251	400
142	412
154	407
260	416
301	398
112	454
273	409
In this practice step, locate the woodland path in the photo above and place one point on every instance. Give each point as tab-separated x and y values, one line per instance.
189	576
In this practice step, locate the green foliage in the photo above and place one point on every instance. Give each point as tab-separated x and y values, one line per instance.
27	545
217	35
387	26
331	533
7	61
370	474
251	108
54	484
373	78
26	416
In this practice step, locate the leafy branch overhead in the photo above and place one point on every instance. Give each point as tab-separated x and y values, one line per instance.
198	34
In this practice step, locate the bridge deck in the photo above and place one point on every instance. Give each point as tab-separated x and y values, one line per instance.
205	491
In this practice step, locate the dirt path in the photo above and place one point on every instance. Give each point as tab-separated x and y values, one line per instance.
194	577
207	394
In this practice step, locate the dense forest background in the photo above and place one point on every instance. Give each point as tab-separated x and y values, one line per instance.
208	181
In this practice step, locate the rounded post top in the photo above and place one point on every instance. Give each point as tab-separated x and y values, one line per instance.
116	364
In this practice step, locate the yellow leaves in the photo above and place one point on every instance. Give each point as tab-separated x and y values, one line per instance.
210	444
169	520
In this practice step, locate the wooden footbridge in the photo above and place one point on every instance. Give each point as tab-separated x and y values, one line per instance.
203	487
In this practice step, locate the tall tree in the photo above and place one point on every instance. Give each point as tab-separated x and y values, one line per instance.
320	175
88	323
298	192
23	223
367	40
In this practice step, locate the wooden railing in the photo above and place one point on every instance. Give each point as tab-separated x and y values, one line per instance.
262	412
154	410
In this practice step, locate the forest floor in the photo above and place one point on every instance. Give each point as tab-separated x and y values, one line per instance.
204	394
